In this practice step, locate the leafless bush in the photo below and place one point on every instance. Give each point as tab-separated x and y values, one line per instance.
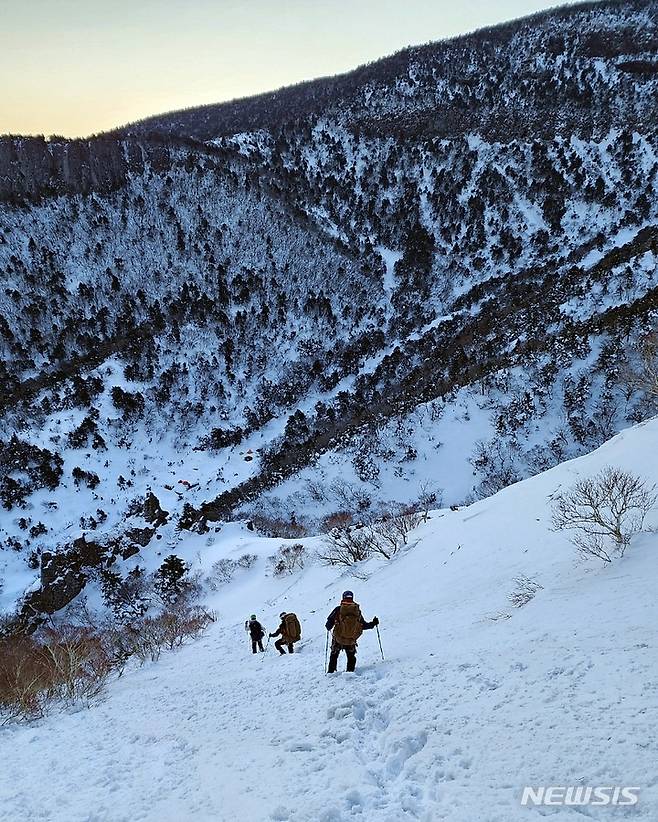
284	527
67	664
25	679
288	559
604	512
495	461
645	377
385	537
221	572
391	534
429	495
78	660
168	630
346	546
525	591
350	497
72	663
338	519
315	490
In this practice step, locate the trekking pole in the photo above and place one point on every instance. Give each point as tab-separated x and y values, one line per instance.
266	646
380	642
326	651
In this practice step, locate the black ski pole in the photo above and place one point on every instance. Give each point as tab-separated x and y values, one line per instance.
326	651
380	641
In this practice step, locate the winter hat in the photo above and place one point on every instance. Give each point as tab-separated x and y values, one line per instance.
282	614
348	595
253	616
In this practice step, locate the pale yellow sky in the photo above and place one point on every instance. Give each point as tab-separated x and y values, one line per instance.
75	67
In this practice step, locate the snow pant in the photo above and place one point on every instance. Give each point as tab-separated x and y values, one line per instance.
257	645
280	643
350	653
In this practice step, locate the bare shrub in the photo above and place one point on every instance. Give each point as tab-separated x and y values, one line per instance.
339	519
495	461
283	527
288	559
645	377
72	663
525	591
429	495
385	537
147	638
67	663
350	497
604	512
221	573
315	490
25	678
167	630
390	534
346	546
78	661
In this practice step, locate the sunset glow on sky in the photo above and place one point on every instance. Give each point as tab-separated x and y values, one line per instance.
75	67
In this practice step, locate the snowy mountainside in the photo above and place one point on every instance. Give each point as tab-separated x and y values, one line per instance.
468	708
290	314
582	68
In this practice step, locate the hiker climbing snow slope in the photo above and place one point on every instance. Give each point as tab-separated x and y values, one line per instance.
290	632
256	632
348	624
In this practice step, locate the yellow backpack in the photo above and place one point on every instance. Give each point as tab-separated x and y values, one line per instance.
348	627
292	627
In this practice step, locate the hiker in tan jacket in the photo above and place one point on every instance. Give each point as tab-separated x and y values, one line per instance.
348	624
290	631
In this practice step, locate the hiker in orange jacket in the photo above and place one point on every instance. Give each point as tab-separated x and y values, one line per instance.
348	624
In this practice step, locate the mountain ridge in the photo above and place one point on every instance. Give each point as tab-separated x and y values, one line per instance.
271	109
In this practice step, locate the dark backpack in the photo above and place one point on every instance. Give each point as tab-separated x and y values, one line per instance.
292	628
348	627
256	629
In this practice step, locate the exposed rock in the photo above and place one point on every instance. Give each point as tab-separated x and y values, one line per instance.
62	579
142	536
90	554
153	511
130	551
64	574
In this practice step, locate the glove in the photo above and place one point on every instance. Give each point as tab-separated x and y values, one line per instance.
270	635
375	621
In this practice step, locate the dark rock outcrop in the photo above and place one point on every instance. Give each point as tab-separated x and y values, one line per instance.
153	511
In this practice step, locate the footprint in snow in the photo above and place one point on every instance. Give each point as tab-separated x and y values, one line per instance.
406	748
304	747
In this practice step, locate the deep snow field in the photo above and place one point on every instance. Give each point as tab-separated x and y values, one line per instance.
465	711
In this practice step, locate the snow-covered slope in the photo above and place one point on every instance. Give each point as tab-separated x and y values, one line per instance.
468	708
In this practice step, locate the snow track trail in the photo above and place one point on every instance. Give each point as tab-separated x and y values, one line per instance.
465	712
